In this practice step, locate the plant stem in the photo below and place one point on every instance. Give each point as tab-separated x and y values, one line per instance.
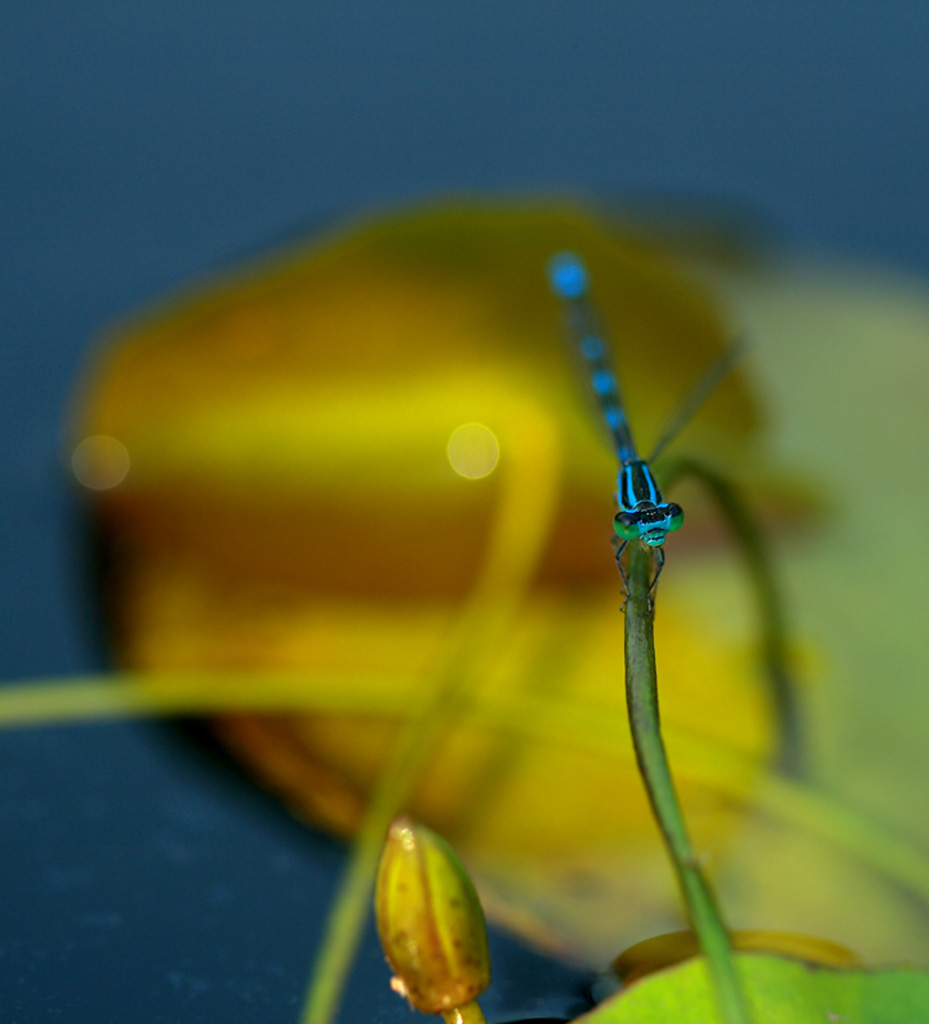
524	513
642	703
470	1013
771	617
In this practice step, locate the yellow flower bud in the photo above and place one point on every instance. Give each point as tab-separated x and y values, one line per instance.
430	921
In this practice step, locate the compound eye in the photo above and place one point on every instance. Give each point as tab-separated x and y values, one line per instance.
625	526
676	518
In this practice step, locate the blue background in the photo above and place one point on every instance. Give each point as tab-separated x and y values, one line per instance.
146	143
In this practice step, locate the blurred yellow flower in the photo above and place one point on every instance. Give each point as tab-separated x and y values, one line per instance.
291	501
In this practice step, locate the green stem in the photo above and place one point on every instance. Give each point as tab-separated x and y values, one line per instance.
470	1013
391	792
771	617
515	717
642	702
524	514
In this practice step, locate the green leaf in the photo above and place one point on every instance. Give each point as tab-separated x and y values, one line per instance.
780	991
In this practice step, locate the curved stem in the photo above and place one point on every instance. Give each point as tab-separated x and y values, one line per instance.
524	514
770	606
642	702
549	719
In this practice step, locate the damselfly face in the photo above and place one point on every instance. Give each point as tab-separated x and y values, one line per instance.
649	523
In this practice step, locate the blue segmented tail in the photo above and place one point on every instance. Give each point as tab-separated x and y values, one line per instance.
568	279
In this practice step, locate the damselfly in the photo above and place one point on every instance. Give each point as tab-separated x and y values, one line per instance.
643	513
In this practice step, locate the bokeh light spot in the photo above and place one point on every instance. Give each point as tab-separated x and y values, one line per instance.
100	462
473	451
